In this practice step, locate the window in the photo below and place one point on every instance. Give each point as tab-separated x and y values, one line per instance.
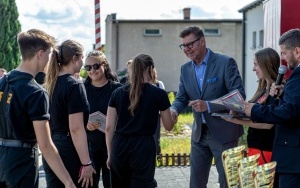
253	40
152	32
261	38
212	32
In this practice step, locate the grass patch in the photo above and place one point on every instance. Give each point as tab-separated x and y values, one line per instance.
183	119
179	143
182	144
175	145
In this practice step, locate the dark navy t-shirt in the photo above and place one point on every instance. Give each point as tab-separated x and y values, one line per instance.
28	102
144	121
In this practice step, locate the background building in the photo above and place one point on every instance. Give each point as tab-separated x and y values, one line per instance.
264	21
160	39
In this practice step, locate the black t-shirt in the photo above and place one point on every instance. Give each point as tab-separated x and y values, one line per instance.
69	97
262	138
28	102
144	121
124	80
98	98
40	77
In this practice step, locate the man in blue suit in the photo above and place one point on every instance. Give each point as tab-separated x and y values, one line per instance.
206	77
286	116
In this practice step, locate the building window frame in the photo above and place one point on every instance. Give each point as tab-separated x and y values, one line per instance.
261	39
253	40
152	32
211	32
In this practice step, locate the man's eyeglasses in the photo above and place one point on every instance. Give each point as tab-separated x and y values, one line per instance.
188	45
96	66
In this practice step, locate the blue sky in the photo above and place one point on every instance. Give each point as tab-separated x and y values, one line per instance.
74	19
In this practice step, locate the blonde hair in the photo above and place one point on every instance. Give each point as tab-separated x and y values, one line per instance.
61	56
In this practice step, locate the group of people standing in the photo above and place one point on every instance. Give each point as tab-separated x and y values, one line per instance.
74	151
273	126
55	115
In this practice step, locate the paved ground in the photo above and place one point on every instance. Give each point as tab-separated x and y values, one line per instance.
166	177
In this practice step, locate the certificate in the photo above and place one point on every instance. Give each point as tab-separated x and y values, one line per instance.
99	118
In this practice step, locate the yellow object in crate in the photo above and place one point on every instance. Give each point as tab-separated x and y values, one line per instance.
246	168
264	175
230	159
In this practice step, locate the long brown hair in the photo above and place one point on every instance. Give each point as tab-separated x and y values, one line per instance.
61	56
140	64
101	58
269	61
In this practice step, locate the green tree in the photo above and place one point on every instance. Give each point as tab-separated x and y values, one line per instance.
9	29
83	73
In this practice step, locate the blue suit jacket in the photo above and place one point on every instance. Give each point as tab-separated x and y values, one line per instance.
221	77
286	117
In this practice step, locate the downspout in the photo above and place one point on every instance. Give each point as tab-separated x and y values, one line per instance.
117	45
244	50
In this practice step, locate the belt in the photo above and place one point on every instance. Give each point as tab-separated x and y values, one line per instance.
62	133
16	143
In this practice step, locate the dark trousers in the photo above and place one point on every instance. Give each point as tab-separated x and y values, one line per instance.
70	158
99	159
287	180
19	167
133	162
202	153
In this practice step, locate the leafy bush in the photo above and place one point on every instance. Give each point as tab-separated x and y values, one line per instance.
83	73
243	139
171	96
183	119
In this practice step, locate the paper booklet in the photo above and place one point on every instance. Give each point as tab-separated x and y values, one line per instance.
231	101
99	118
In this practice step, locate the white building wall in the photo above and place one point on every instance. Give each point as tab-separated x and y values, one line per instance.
254	22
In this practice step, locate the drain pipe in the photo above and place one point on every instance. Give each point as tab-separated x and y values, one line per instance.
244	50
117	45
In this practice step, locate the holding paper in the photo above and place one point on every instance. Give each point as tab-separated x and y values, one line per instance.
99	118
232	101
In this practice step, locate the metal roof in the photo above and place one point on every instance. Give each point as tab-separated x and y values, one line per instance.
251	5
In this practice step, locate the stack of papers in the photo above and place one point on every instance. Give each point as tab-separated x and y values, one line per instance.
99	118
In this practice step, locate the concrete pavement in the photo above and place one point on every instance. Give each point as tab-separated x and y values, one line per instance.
166	177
